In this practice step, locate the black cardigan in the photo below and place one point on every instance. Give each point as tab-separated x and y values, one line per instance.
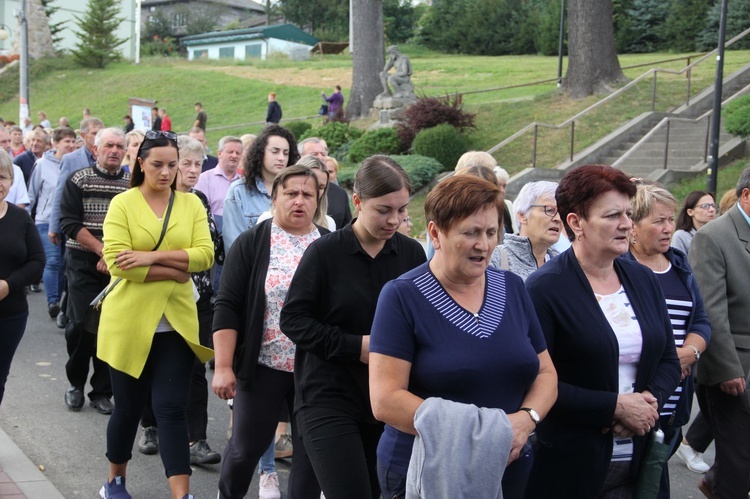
241	301
575	455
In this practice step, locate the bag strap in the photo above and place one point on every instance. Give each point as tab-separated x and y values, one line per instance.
158	243
166	221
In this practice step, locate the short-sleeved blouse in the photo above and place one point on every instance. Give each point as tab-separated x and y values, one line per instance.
489	359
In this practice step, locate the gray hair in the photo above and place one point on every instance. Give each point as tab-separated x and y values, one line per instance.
743	182
88	123
6	164
502	174
117	132
530	193
189	145
229	139
475	158
310	140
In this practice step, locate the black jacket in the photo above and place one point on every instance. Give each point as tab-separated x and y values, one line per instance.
241	302
273	115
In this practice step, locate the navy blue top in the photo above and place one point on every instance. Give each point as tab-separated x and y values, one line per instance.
697	322
489	360
574	459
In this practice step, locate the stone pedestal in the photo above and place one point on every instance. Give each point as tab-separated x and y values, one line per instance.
389	110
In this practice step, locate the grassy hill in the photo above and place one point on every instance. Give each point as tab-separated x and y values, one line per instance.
234	93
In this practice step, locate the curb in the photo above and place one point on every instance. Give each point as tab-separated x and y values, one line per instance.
23	473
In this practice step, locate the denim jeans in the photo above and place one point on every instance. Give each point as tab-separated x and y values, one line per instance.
53	270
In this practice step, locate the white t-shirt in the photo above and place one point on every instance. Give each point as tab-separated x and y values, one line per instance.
621	317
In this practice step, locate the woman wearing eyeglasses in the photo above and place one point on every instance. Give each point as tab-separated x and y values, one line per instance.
539	228
699	209
154	238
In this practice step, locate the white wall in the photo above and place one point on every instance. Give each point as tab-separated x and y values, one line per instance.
66	12
272	45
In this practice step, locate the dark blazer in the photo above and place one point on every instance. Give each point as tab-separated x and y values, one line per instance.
26	161
573	460
720	256
338	205
241	301
697	323
209	162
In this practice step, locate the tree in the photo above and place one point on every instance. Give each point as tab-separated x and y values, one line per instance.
326	19
54	28
685	20
368	57
738	19
98	44
593	66
399	18
646	25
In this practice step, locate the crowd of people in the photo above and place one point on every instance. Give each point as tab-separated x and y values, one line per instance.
536	350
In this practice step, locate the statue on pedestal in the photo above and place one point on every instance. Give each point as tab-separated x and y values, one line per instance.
400	81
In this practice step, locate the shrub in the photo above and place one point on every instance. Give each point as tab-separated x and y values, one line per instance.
298	128
444	142
429	112
380	141
737	117
334	133
342	153
421	171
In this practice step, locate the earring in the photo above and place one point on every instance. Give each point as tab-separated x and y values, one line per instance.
633	242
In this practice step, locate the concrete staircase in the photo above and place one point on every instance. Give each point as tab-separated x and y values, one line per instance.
638	147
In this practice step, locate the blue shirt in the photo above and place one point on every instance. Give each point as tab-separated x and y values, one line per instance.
242	207
747	218
489	359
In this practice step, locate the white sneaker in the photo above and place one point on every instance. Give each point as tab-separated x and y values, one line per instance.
693	460
269	486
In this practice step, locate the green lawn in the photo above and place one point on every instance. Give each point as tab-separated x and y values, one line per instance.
235	93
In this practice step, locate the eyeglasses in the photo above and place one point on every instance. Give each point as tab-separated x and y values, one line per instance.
155	134
549	210
407	221
707	206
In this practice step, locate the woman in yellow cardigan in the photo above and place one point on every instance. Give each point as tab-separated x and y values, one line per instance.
148	332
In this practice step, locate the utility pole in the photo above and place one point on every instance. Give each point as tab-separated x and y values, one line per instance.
713	155
137	17
23	22
560	46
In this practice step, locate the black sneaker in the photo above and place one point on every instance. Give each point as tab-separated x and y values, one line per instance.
148	444
53	308
35	288
201	453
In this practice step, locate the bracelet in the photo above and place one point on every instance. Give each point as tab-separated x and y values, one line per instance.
696	351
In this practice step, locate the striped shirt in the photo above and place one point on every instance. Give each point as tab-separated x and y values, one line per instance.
85	201
680	306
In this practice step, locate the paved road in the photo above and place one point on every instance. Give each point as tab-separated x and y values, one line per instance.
70	446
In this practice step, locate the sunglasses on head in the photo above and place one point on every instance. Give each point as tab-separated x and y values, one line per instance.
155	134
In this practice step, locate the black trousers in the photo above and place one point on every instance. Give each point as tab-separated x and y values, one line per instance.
84	283
729	419
166	381
699	435
197	407
256	414
12	329
342	450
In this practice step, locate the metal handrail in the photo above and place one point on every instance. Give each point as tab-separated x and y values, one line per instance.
667	120
554	80
653	71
